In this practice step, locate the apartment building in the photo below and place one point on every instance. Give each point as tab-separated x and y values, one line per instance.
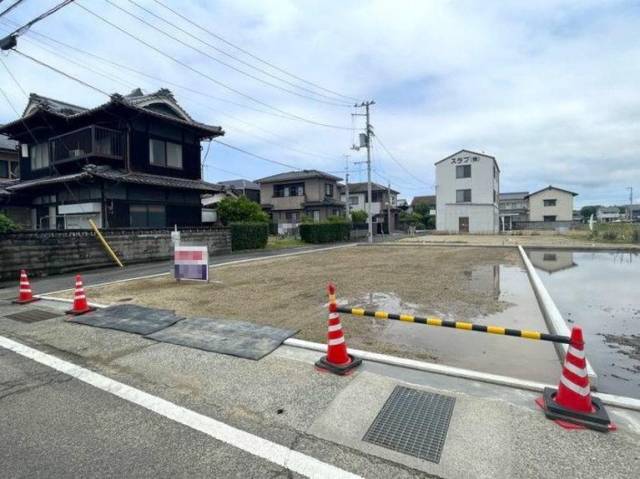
513	208
467	193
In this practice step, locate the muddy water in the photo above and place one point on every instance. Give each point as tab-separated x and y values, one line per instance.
521	358
600	291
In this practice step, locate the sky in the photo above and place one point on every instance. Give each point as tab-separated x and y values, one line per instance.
550	88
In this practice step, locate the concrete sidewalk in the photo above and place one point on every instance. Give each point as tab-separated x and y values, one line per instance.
495	431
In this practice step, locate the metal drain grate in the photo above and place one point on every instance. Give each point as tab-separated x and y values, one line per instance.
413	422
33	315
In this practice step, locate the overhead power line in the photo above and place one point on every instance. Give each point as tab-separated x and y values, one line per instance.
10	7
60	72
333	100
208	77
260	157
42	16
398	162
255	57
95	70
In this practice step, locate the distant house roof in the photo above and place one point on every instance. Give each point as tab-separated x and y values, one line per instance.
516	195
160	104
470	153
424	200
297	175
550	187
608	209
240	184
7	144
93	171
362	188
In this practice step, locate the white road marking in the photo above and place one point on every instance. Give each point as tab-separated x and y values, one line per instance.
260	447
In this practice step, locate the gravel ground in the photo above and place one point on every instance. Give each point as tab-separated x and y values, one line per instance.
290	292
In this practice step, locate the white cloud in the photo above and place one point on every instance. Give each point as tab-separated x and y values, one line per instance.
548	87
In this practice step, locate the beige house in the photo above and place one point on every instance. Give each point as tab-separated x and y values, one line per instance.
289	196
551	204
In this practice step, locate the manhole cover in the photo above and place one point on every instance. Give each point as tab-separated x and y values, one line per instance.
33	315
413	422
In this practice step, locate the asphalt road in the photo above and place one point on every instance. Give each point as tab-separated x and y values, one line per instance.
52	425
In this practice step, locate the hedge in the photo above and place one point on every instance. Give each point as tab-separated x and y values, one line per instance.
325	232
249	235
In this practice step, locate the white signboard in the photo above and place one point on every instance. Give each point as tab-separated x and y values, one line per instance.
191	262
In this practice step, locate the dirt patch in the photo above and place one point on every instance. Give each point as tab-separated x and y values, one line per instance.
629	345
290	292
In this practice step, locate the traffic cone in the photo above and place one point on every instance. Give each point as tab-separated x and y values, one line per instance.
80	305
24	293
572	405
337	360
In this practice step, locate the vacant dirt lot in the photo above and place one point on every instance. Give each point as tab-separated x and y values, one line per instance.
290	292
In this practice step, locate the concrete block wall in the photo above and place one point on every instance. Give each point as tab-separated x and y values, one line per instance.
43	253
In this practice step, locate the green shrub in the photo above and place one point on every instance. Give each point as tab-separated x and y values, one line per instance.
242	209
359	216
610	235
249	235
337	219
325	232
7	225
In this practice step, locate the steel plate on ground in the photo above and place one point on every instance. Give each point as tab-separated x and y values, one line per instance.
237	338
413	422
34	315
130	318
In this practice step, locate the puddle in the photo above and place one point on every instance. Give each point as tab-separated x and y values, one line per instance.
509	285
600	292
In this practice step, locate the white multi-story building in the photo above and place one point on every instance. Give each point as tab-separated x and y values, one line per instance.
467	192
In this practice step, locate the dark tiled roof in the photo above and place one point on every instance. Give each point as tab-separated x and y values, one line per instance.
240	184
362	188
297	175
156	180
92	171
550	187
3	185
133	101
424	200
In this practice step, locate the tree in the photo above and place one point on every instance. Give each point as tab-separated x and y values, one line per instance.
359	216
235	210
423	210
7	225
412	219
587	211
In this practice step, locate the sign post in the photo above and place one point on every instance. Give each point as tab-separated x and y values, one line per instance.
191	262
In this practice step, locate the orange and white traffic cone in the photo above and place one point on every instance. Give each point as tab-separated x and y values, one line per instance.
572	405
24	293
337	360
80	305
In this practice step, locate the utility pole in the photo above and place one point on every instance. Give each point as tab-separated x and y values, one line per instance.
389	208
630	188
367	137
346	187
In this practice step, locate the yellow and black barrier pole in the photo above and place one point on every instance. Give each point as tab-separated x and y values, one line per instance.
555	338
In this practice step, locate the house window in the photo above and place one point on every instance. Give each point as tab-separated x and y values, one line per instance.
316	215
292	217
549	202
549	219
165	153
495	196
495	172
353	200
4	169
328	189
463	196
147	216
463	171
39	155
290	189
